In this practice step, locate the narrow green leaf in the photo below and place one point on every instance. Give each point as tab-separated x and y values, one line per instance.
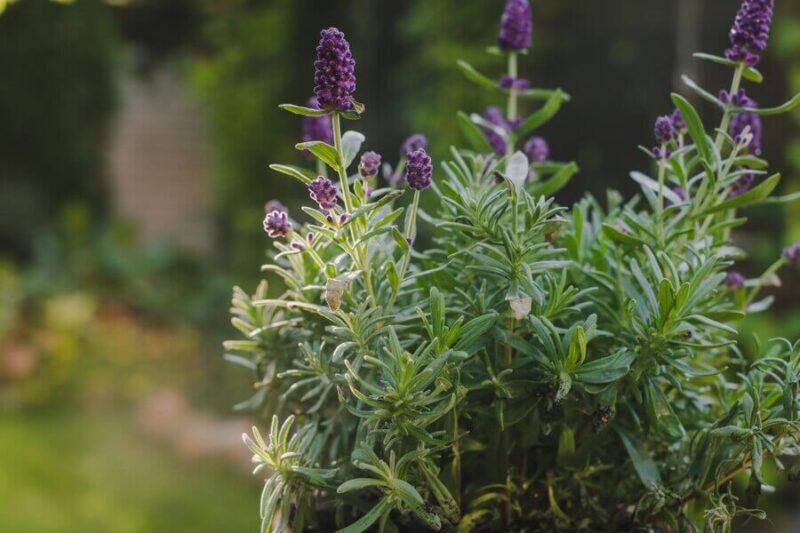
642	462
363	523
304	111
300	174
785	108
473	134
695	126
324	151
542	115
756	194
557	182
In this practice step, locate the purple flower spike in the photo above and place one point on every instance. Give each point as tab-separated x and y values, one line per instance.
537	149
493	115
277	224
516	26
316	128
274	205
663	129
334	71
792	254
419	170
680	193
750	31
413	143
323	191
734	281
369	165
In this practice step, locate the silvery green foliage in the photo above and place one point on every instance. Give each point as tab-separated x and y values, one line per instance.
538	368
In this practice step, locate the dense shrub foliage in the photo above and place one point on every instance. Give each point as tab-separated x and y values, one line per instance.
538	368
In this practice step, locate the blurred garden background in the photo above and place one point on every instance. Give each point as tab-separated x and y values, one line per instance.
135	138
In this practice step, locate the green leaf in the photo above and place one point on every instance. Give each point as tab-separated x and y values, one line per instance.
785	108
606	369
619	236
300	174
476	77
473	134
541	116
705	95
351	144
363	523
695	126
749	73
557	182
305	111
756	194
359	483
642	462
324	151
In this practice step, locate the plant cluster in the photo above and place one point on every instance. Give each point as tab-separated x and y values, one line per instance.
539	367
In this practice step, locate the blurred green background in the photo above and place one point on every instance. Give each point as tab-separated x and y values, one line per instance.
134	143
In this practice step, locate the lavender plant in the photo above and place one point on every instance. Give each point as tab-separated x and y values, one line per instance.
539	368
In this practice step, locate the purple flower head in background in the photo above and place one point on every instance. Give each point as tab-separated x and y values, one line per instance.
316	128
537	149
742	185
274	205
792	254
661	153
493	115
419	170
413	143
369	165
680	193
518	84
678	124
323	191
516	26
277	224
734	280
663	129
750	31
334	71
739	122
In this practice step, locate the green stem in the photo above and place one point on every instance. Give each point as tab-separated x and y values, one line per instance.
660	206
511	107
760	282
726	117
410	232
336	121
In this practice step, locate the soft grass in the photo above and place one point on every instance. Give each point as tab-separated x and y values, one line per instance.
93	473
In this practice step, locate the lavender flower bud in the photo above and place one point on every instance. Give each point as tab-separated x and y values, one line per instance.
316	128
413	143
277	224
419	170
663	129
310	236
750	31
297	245
518	84
323	191
734	280
494	115
516	26
678	124
537	149
334	71
274	205
369	165
792	254
343	218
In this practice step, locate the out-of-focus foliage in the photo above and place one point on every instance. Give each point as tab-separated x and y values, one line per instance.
56	100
